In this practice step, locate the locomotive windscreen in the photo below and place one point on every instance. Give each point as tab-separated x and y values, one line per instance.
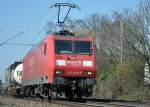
72	47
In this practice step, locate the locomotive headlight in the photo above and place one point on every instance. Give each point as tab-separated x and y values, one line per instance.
59	72
88	73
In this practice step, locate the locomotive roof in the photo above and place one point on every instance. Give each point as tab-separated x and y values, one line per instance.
63	37
60	37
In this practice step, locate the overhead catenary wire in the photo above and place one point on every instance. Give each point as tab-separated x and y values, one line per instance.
42	29
52	19
13	37
21	44
18	34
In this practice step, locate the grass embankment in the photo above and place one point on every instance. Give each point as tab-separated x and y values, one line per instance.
2	105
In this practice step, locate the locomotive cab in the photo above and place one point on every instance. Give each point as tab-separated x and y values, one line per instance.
74	58
74	65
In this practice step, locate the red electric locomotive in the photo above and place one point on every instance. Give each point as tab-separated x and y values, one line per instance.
62	64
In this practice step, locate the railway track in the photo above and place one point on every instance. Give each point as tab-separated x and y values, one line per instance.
29	102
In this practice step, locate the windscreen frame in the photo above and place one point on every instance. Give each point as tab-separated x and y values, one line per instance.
73	48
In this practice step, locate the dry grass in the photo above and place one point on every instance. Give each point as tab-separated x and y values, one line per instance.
13	102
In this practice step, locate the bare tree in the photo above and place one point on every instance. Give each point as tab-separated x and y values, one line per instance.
139	29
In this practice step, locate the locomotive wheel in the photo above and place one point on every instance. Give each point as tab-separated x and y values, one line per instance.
88	91
72	95
78	94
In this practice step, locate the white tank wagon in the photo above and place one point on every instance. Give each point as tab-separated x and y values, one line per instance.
13	75
13	78
16	75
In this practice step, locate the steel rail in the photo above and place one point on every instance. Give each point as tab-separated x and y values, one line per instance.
75	104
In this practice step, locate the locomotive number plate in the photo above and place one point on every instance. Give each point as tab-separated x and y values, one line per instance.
74	63
74	72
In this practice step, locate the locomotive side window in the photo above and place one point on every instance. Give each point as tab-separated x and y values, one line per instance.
45	47
63	46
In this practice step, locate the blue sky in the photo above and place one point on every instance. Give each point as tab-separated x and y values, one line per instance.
31	16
